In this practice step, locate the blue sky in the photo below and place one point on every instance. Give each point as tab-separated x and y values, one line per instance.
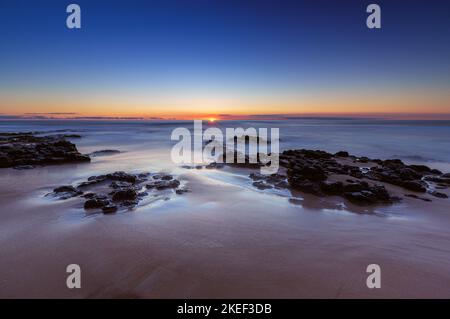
151	53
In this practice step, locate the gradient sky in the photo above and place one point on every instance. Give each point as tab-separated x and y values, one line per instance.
208	57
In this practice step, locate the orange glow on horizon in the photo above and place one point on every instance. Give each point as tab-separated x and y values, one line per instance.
426	103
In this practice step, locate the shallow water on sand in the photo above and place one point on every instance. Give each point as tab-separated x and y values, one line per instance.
224	238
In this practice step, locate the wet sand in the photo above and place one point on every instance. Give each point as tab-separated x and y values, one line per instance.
221	240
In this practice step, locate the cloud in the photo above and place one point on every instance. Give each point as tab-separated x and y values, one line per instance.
54	113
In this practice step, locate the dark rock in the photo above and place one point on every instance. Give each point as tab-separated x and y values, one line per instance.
120	184
143	175
262	185
274	178
129	203
363	159
332	188
66	192
257	176
342	154
166	177
122	176
109	209
66	189
214	165
305	186
181	191
438	180
415	186
26	150
161	184
312	173
124	194
281	185
438	194
95	203
418	197
420	168
355	187
408	174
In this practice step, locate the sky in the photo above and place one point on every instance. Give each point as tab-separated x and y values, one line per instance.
224	58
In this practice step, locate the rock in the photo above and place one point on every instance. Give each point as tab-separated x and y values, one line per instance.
181	191
438	194
408	174
129	203
122	176
305	186
257	176
420	168
275	178
281	185
312	173
109	209
26	150
66	189
342	154
415	186
95	203
214	165
166	177
119	184
418	197
357	186
5	161
66	192
163	184
446	175
363	159
143	175
439	180
332	188
142	194
124	194
262	185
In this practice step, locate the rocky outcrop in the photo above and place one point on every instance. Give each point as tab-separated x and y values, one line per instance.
27	150
358	179
125	190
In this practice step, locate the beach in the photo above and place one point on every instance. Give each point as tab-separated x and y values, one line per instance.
224	238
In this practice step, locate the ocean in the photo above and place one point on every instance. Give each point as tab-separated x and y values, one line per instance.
224	238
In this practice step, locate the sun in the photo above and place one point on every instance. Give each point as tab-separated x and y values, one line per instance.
212	120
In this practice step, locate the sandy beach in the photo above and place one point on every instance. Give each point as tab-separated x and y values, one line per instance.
222	239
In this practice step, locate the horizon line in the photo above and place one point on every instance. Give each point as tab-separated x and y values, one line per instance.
225	117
